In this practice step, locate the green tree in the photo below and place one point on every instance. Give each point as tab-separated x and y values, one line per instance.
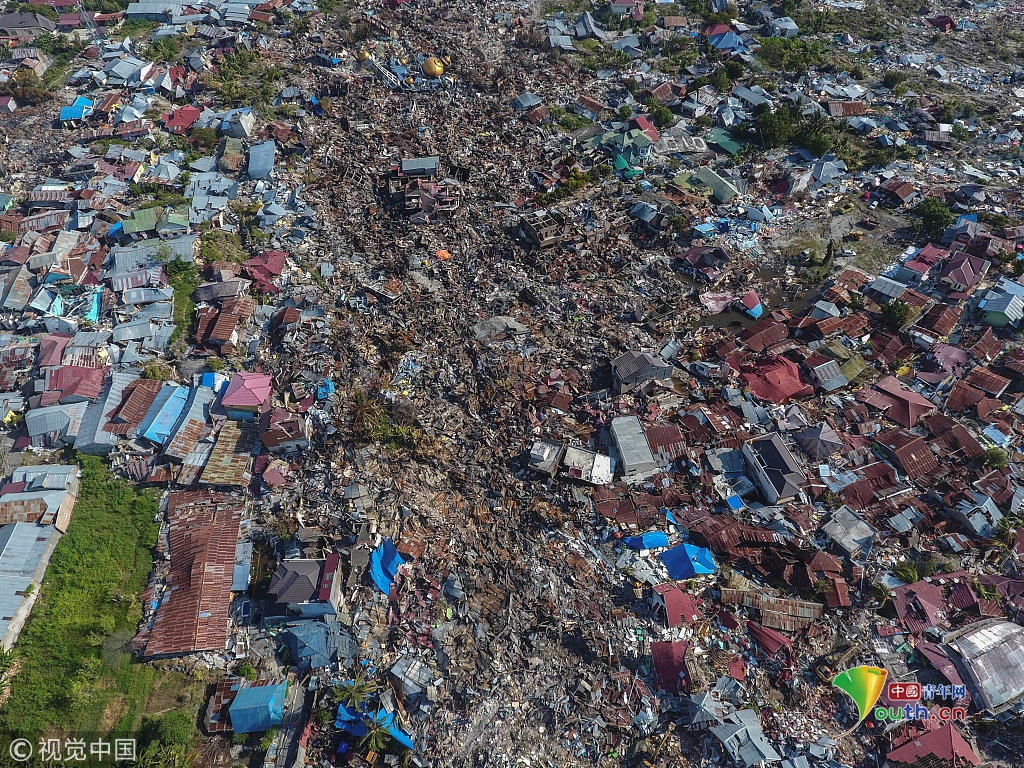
960	133
935	217
354	693
247	670
895	314
893	77
720	80
773	128
881	593
996	458
733	69
268	739
906	572
378	738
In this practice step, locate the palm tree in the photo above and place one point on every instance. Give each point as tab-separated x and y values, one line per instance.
366	411
1006	534
378	738
354	693
906	572
881	593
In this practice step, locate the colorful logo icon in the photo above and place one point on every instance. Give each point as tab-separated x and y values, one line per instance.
864	685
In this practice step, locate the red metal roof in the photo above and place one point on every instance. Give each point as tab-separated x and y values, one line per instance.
247	390
670	663
946	743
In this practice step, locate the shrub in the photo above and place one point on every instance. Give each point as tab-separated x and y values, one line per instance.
176	729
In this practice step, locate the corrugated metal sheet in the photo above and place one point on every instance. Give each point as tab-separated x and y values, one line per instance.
22	549
129	414
191	424
229	462
164	413
776	612
193	612
93	438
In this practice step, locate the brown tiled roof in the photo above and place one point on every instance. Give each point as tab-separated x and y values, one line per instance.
667	438
957	442
845	108
763	333
137	399
963	396
912	453
21	510
987	347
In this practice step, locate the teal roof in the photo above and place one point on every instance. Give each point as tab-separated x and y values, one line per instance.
258	706
722	139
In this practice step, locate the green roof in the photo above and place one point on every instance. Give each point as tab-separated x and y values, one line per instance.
722	190
723	140
143	221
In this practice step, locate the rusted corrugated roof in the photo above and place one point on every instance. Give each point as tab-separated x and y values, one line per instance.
777	612
229	461
193	613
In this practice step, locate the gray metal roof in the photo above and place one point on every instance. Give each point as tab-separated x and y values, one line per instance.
22	548
261	159
92	439
993	654
49	476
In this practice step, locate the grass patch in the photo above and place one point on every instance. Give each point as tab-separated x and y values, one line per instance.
75	669
219	244
184	279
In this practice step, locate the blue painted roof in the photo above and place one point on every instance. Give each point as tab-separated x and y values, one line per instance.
687	561
258	707
170	401
81	108
384	563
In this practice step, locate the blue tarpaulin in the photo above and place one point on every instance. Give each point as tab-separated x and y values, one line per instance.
384	563
325	390
93	315
687	561
258	707
357	724
163	414
649	540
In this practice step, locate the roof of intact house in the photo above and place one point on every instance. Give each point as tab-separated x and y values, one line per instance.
193	611
904	406
247	390
783	470
944	743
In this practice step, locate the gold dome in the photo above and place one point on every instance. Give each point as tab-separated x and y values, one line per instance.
433	67
364	55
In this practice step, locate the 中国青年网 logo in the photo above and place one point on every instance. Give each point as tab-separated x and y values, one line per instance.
865	686
906	704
